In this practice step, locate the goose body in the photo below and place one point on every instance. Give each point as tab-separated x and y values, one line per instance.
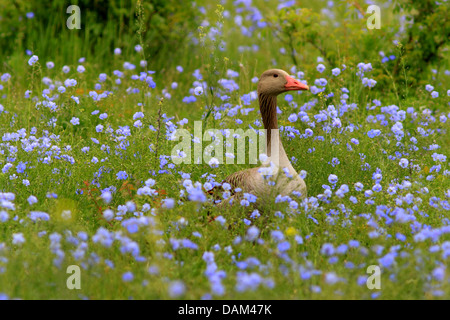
285	179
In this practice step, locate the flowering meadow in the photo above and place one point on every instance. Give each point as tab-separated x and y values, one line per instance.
87	178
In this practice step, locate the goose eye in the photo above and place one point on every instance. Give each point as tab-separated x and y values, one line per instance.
275	75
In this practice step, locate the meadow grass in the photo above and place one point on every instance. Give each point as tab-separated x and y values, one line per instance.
318	248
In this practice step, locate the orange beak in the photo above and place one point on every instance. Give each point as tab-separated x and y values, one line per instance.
293	84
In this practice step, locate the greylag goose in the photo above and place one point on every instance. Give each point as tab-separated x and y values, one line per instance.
271	83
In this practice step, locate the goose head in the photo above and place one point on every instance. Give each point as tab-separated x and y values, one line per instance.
276	81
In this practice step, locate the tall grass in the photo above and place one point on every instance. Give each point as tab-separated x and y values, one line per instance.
32	270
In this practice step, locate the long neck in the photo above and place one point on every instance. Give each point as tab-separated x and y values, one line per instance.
268	108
